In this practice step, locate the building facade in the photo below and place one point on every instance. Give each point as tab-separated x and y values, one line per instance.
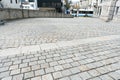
20	4
11	3
29	4
117	11
107	9
57	4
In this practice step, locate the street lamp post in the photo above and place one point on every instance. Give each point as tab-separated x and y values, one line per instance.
22	9
2	22
81	2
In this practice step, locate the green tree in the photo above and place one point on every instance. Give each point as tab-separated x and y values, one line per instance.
67	4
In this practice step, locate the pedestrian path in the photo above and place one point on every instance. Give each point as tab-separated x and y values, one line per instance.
51	46
89	59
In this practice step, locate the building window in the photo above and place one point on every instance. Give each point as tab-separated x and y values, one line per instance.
10	1
16	1
117	9
32	5
31	0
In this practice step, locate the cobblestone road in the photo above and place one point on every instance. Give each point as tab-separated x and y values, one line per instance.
43	30
95	59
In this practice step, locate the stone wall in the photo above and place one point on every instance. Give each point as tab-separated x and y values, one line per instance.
117	11
19	13
107	10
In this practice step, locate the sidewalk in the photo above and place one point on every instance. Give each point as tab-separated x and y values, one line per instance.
60	49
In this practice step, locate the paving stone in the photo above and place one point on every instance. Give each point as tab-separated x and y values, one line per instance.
42	57
13	72
89	60
82	62
29	75
65	78
114	75
57	68
97	58
39	72
45	65
34	59
4	74
7	78
36	78
53	63
1	64
26	69
74	64
118	71
94	73
47	77
96	78
76	58
64	57
68	60
18	77
14	58
91	66
35	67
61	62
110	68
83	68
56	58
49	56
7	63
102	70
74	70
26	60
41	61
49	60
30	56
23	65
57	75
13	67
65	66
4	69
106	77
49	70
75	77
17	62
85	75
33	63
115	66
66	72
22	57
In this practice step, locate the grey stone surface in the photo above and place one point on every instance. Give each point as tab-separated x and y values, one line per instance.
36	78
13	72
27	33
75	77
97	59
47	77
13	67
18	77
29	75
7	78
57	75
39	72
26	69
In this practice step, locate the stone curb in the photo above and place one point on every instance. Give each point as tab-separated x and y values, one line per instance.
50	46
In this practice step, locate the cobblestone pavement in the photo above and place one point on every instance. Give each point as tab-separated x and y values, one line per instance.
92	61
43	30
95	59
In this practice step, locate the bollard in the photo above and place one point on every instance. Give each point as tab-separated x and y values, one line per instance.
2	22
